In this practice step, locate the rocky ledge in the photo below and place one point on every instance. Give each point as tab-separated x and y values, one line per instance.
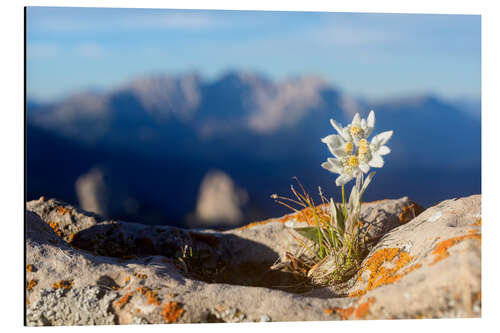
83	269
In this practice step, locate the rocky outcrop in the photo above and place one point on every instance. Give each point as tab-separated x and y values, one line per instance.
84	269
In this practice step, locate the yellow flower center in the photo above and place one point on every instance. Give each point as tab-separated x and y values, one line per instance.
353	161
355	130
364	147
349	147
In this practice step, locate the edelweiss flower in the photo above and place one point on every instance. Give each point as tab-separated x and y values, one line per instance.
352	151
370	155
347	167
357	130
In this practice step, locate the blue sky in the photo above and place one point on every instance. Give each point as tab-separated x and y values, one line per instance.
366	55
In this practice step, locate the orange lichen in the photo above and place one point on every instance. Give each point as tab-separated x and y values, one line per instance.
364	308
64	284
56	229
328	311
71	237
141	276
127	279
409	212
151	295
477	223
61	210
29	268
441	250
253	224
31	284
360	310
380	274
344	313
172	311
124	300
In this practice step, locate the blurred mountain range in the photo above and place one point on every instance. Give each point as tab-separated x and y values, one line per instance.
141	151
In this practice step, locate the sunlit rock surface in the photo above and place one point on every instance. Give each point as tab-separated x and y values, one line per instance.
84	269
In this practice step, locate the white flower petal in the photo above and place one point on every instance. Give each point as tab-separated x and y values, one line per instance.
380	139
330	167
342	179
376	161
338	152
346	135
356	120
336	163
384	150
336	125
364	167
370	123
363	124
334	140
371	119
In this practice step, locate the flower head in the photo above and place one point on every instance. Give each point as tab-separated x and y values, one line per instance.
353	153
357	130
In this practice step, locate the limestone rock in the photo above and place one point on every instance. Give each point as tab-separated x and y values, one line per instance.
220	201
90	270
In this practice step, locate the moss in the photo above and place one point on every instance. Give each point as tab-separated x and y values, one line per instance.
441	250
31	284
380	274
172	311
64	284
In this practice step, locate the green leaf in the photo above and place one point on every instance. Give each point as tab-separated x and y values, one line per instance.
310	233
367	182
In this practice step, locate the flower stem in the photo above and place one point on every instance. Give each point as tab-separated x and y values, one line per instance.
343	204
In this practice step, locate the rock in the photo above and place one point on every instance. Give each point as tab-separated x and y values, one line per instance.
92	191
115	272
220	201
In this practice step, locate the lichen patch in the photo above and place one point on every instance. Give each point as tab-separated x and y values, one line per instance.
31	284
359	309
152	296
64	284
172	311
385	267
441	250
56	229
124	299
62	211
